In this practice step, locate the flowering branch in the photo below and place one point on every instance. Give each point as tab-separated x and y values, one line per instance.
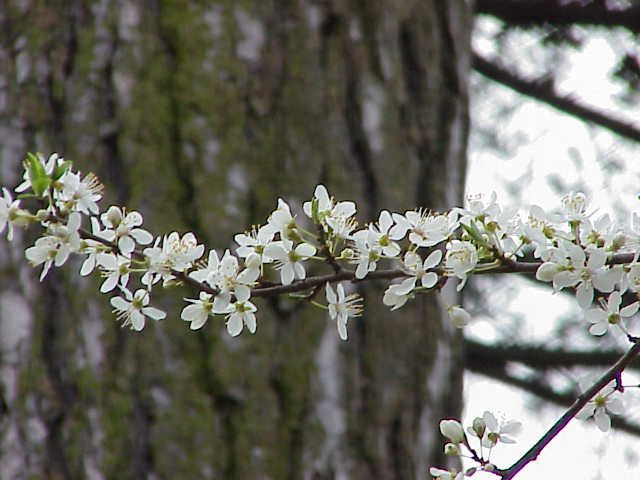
420	251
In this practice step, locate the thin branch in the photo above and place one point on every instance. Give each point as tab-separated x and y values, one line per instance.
542	391
564	420
534	13
541	89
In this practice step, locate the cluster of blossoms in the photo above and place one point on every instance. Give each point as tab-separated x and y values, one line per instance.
418	251
487	431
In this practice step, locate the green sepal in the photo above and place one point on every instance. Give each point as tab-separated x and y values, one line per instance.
38	177
314	210
60	170
474	234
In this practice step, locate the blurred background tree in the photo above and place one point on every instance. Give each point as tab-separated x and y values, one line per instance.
199	115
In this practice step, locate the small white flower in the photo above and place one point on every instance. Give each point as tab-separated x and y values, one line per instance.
574	207
611	315
91	248
604	403
68	237
115	269
121	228
255	242
342	307
367	252
477	210
499	431
383	237
80	195
57	246
44	251
10	213
289	259
198	312
133	309
396	295
421	270
538	230
582	273
209	274
241	313
330	214
425	229
281	220
177	254
461	258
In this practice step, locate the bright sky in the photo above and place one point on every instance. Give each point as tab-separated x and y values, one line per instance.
552	149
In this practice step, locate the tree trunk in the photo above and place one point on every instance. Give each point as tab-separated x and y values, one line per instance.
200	115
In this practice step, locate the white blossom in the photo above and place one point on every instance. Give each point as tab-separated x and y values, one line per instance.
502	431
115	270
79	194
176	254
289	259
198	312
584	274
282	221
121	228
461	259
342	306
396	295
475	208
230	278
255	242
426	229
367	252
599	407
382	236
44	251
574	207
57	246
241	313
611	315
332	216
10	213
132	309
538	230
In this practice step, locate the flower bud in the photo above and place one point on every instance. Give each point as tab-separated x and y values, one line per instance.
113	216
347	254
479	427
451	450
458	316
452	430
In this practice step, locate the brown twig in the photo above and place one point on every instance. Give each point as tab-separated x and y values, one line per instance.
564	420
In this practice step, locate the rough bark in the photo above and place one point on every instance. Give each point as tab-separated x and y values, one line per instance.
200	114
